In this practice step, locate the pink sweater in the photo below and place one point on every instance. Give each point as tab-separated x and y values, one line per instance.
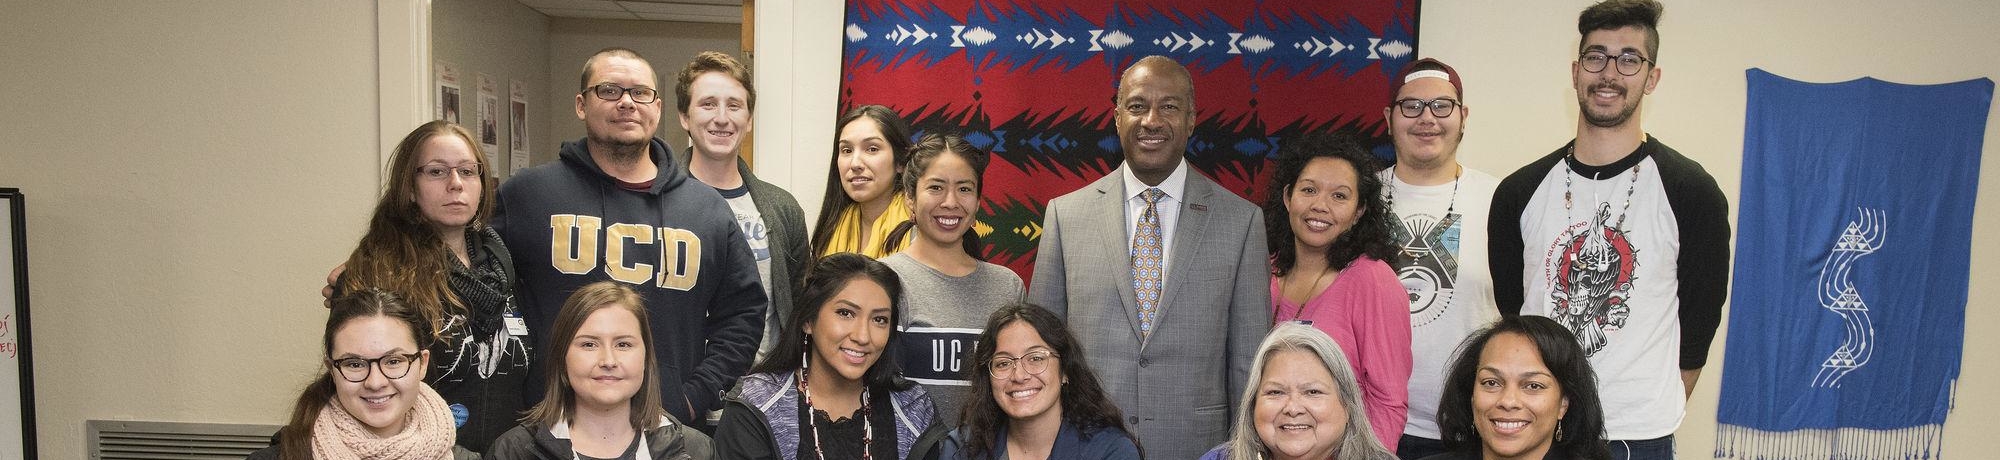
1367	312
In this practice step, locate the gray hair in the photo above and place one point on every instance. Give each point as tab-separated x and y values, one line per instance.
1358	443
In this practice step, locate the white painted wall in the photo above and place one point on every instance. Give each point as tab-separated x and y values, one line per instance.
192	169
508	42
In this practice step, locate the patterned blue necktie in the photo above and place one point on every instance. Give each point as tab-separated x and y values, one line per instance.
1147	273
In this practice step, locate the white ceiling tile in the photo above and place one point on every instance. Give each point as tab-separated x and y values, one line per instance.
682	8
598	5
736	19
590	14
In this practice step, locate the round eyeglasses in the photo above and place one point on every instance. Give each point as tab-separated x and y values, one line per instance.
1629	64
611	92
1440	107
394	366
1035	363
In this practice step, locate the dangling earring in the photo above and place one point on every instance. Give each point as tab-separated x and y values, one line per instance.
805	355
1559	430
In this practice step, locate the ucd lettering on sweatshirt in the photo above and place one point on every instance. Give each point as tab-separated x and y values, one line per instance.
574	245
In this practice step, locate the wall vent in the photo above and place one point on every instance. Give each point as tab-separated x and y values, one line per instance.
131	440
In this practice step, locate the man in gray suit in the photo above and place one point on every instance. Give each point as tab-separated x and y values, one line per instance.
1161	272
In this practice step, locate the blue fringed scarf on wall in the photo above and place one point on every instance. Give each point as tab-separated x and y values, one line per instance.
1853	257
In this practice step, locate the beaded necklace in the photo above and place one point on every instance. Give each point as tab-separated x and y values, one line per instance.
1447	221
867	426
1630	189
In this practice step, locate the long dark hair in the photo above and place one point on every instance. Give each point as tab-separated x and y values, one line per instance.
894	130
1084	402
1370	233
827	278
922	155
403	253
559	399
1582	427
295	439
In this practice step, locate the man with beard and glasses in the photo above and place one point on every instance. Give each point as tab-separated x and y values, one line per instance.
616	205
1161	272
1619	238
1438	216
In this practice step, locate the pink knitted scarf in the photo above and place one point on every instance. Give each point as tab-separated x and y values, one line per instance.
429	433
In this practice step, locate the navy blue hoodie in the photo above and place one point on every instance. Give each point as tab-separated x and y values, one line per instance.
570	224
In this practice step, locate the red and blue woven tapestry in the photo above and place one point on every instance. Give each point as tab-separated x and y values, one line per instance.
1032	81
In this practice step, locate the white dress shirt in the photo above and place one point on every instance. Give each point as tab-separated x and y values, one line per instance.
1169	208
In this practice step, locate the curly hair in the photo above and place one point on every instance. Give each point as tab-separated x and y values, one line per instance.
1370	233
1085	405
1584	424
403	252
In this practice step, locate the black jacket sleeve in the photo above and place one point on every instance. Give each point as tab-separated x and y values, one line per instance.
1503	237
734	326
743	435
1701	212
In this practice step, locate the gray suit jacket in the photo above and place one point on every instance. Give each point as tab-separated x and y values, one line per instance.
1177	387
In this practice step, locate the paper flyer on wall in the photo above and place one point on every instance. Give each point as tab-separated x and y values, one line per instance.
447	96
489	113
517	121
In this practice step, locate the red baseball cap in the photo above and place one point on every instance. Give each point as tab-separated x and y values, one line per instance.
1432	68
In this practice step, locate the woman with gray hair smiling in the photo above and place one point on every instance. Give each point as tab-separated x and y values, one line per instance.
1302	403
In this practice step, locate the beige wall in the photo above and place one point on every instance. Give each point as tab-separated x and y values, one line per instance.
668	45
191	169
508	42
182	215
1514	58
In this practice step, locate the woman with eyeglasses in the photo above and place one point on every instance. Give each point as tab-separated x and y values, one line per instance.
827	391
1329	235
428	243
1302	403
371	403
948	290
603	398
1521	390
1039	399
864	182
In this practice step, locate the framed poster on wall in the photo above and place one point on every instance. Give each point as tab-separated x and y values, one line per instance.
17	387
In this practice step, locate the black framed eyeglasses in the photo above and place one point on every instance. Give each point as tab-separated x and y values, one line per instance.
1629	64
1035	363
611	92
394	366
1440	107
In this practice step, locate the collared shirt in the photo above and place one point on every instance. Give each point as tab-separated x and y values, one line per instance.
1175	185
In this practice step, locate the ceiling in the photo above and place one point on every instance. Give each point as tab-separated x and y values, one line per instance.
715	11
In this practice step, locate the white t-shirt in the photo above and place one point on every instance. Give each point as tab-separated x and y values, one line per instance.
1619	282
1444	268
752	222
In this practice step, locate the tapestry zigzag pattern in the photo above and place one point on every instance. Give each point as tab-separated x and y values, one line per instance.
1032	82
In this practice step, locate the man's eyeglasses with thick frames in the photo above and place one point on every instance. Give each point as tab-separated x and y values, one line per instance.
394	366
1440	107
1629	64
611	92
